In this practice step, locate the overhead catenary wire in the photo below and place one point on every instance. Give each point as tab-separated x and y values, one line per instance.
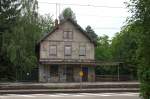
101	16
59	4
106	28
88	5
103	28
89	15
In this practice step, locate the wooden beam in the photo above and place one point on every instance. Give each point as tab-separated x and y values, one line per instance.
94	63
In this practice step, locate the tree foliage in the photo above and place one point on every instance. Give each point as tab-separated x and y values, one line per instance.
141	16
19	39
91	32
124	48
9	13
46	23
103	49
67	13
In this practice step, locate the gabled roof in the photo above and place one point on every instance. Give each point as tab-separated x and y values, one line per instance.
75	24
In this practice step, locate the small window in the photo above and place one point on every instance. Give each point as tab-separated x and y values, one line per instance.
82	51
53	50
67	50
68	35
65	35
44	47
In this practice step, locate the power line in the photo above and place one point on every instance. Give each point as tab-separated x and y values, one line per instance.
103	28
106	28
102	16
97	15
88	5
58	4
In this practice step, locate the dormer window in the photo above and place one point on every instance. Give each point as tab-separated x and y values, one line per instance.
68	35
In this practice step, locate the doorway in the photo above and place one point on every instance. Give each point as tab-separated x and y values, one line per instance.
85	74
69	74
54	77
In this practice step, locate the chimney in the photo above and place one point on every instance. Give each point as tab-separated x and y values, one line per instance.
56	23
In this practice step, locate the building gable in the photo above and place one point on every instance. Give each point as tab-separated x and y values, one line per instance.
70	25
54	44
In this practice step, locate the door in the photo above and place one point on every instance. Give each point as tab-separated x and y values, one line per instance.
69	74
54	76
85	74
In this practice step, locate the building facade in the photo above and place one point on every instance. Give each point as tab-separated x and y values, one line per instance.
65	52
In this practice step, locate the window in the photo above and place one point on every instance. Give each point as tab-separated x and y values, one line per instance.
65	34
53	50
82	51
44	47
68	50
68	35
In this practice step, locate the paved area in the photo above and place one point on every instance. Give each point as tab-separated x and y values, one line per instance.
73	96
85	83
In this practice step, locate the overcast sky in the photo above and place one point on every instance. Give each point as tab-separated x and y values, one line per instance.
107	18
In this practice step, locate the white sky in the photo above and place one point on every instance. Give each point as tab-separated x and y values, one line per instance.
103	20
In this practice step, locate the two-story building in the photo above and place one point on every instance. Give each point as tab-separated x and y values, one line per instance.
64	52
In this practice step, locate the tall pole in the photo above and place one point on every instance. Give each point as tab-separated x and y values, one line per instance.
118	72
59	9
56	10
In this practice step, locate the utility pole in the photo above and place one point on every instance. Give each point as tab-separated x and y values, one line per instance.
56	10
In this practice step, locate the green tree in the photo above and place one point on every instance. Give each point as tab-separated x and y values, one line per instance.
46	23
67	13
20	46
141	15
124	47
103	50
9	10
20	38
103	53
9	13
91	32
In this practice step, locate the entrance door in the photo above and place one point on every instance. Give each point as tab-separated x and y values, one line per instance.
69	74
85	74
54	77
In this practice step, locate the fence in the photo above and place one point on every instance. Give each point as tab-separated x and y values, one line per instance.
113	78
